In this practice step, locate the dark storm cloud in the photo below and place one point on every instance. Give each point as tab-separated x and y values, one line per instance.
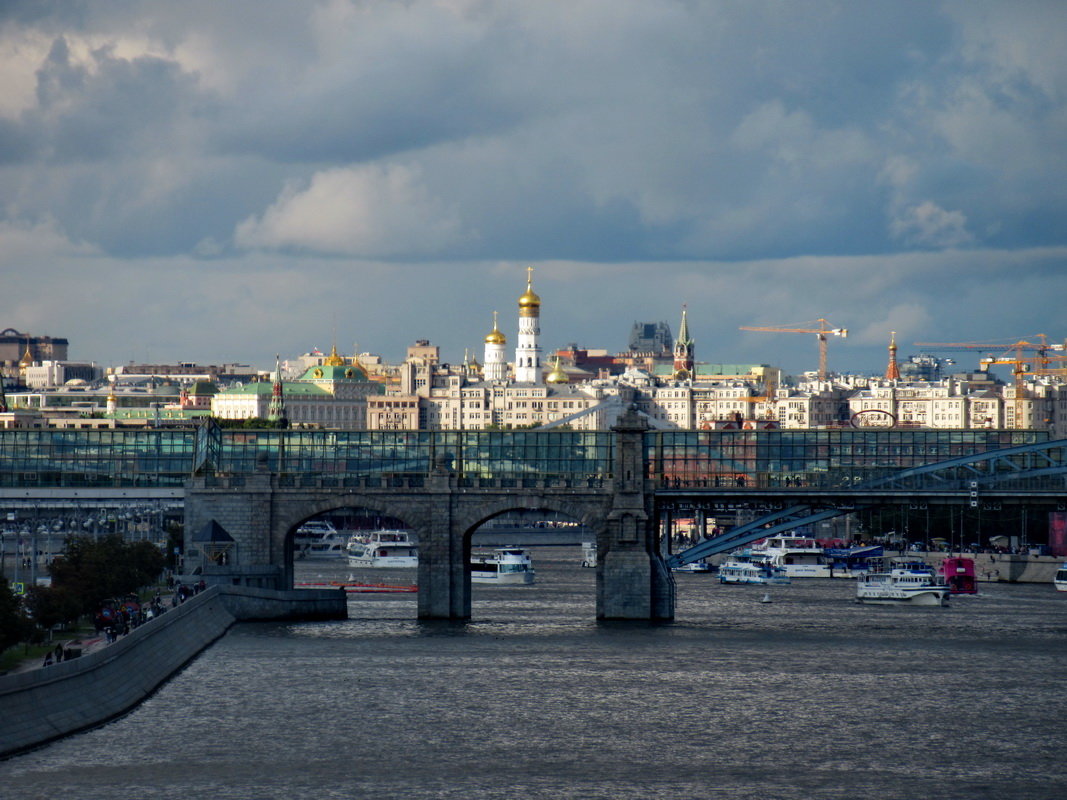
897	165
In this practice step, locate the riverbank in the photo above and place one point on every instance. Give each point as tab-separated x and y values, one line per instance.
105	681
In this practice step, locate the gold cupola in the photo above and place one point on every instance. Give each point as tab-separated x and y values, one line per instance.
495	336
529	302
334	359
557	375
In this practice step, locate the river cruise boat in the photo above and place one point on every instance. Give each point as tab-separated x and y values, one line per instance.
913	585
385	548
504	565
319	539
746	568
799	556
1060	581
957	573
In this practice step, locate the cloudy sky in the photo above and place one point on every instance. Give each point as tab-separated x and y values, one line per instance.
219	182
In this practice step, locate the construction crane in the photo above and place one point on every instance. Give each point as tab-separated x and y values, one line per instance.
820	332
1017	360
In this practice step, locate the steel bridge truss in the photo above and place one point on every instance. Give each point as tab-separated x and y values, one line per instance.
1010	470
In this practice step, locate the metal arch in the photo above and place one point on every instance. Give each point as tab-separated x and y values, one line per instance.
993	457
795	516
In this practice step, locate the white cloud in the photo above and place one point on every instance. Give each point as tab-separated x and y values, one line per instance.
929	225
362	211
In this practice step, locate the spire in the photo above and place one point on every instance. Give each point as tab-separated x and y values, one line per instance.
892	372
276	412
683	349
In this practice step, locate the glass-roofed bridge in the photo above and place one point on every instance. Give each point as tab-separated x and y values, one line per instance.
254	488
737	461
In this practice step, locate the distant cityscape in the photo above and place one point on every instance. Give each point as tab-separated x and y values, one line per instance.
499	388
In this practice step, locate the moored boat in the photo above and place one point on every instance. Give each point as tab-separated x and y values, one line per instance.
392	549
799	556
503	565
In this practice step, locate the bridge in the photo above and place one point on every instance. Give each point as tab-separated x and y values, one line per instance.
626	485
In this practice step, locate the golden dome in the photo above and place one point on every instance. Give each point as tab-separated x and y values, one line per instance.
27	358
334	359
529	299
495	336
557	375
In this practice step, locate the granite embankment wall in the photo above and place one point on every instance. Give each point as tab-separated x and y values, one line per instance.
40	705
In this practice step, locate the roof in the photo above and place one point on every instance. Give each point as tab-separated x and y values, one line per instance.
212	532
327	372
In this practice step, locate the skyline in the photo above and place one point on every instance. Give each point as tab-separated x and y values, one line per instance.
286	177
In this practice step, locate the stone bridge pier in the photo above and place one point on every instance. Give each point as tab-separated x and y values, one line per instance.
252	518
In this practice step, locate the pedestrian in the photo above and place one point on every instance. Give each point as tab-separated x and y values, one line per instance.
47	659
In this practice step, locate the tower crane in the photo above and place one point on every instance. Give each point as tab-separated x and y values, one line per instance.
820	332
1017	360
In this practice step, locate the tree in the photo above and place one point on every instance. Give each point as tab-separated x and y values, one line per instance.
14	626
94	570
50	606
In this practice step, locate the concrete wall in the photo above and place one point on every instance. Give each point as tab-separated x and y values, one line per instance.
44	704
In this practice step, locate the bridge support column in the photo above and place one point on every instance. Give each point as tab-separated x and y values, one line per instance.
444	591
633	582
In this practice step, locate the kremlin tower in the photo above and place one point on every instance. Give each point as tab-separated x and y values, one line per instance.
683	351
496	363
528	350
892	371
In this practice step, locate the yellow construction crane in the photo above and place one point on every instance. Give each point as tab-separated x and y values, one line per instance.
820	332
1017	360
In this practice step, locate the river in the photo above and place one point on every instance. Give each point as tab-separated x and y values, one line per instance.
808	696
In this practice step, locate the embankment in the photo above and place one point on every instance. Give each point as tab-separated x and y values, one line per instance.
40	705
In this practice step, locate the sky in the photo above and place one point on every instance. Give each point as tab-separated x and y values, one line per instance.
221	182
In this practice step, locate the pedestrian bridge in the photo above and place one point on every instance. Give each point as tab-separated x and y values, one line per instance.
258	486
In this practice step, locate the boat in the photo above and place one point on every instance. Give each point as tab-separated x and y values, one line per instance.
908	584
700	565
746	567
382	548
588	554
319	539
957	573
853	562
1060	580
799	556
503	565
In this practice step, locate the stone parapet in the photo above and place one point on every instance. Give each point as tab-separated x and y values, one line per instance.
43	704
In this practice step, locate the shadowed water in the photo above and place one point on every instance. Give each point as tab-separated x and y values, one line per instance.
809	696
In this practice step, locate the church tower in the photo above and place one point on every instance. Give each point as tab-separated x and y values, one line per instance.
528	350
683	350
892	371
496	362
276	412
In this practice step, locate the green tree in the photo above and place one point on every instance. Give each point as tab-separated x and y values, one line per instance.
14	627
94	570
50	606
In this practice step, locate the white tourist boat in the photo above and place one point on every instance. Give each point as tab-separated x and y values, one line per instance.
382	548
1060	581
912	584
799	556
745	568
319	539
503	565
700	565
